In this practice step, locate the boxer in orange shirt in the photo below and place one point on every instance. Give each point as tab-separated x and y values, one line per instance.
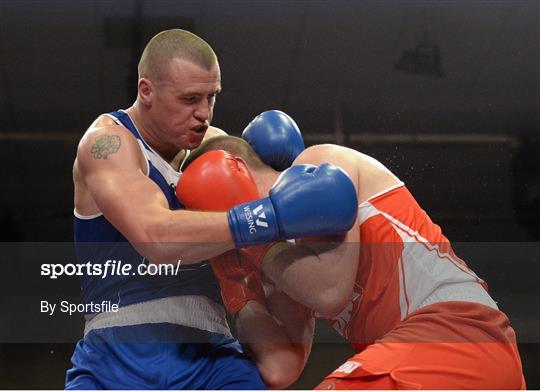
277	330
417	316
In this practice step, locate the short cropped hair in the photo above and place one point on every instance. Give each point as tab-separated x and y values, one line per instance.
170	44
232	144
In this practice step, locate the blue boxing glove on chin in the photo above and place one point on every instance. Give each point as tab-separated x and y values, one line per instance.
275	137
305	201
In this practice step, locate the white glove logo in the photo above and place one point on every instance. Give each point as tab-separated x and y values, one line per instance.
260	216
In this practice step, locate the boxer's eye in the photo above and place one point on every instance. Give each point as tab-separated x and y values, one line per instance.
190	99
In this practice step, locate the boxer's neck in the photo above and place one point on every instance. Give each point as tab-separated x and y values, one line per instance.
265	179
148	132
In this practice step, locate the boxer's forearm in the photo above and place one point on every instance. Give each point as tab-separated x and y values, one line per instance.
297	320
189	236
279	360
320	276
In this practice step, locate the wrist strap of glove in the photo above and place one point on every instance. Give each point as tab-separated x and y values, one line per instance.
253	223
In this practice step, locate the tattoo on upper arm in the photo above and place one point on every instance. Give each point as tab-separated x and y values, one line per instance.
105	145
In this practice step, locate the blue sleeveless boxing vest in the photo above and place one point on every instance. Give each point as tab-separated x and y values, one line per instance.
152	340
97	240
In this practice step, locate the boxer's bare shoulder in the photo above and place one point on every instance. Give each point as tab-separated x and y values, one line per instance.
330	153
369	176
102	121
104	138
105	148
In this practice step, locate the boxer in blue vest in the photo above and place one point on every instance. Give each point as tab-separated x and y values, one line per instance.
170	332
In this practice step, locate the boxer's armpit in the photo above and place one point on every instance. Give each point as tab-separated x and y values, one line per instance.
105	145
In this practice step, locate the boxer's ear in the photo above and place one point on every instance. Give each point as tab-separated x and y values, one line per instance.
146	90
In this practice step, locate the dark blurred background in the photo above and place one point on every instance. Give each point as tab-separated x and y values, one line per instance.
446	94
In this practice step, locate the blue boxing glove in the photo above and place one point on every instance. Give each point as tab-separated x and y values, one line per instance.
275	137
305	201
